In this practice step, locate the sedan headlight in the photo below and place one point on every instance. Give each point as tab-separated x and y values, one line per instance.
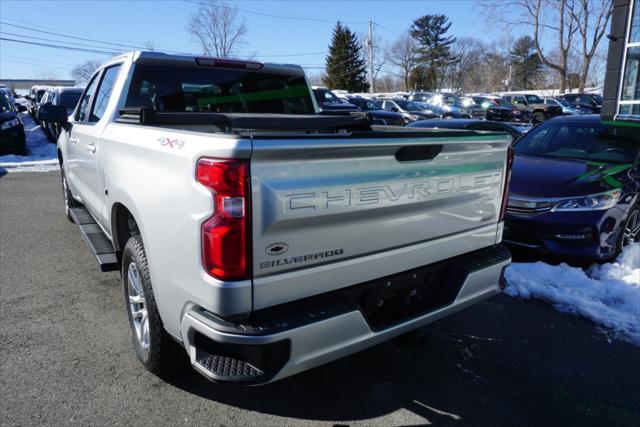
9	124
592	202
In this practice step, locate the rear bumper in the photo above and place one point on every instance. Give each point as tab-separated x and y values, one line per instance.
288	339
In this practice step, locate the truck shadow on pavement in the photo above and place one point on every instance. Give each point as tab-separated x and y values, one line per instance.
520	362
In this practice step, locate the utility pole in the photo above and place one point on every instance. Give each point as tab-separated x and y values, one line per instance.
370	45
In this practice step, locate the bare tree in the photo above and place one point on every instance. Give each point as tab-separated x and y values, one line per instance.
592	20
402	53
83	72
218	28
570	25
549	20
468	53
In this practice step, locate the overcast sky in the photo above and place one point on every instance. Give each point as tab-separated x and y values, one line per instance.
162	22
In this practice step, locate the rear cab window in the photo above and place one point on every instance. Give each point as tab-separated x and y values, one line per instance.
167	88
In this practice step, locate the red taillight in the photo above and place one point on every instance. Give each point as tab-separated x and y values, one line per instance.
225	235
507	179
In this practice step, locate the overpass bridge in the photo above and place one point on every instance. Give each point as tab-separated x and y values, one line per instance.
21	84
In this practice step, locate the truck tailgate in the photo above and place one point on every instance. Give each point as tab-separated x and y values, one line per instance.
322	200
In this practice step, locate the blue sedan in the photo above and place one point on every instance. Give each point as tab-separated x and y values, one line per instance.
575	189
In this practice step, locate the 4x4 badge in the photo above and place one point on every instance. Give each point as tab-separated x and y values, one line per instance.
277	248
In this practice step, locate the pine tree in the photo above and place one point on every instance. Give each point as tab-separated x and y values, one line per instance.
526	68
345	65
434	48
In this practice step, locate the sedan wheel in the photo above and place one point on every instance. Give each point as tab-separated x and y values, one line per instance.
631	232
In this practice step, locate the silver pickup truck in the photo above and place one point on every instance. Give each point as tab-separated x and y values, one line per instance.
262	237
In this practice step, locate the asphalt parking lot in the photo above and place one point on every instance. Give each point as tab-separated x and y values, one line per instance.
65	354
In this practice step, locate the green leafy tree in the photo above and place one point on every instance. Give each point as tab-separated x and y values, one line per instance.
434	49
345	64
526	65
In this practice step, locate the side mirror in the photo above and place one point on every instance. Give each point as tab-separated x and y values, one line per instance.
52	113
21	108
394	109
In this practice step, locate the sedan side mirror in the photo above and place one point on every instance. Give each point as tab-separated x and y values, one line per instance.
52	113
394	109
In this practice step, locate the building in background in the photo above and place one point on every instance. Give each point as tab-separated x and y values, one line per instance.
622	85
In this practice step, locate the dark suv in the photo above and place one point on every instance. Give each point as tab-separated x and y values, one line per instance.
534	105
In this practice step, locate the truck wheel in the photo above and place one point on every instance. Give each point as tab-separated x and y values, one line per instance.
69	201
155	349
538	117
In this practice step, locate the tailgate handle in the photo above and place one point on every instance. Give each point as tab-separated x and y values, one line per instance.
418	152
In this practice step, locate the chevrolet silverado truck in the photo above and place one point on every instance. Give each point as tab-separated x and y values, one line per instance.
262	237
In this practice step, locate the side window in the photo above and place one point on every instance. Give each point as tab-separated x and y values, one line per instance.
104	93
86	100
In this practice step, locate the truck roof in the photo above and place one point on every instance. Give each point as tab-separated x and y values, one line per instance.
202	60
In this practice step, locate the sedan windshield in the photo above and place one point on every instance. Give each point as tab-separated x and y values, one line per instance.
581	141
364	104
408	106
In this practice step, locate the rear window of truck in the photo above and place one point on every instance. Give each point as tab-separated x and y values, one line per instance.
166	88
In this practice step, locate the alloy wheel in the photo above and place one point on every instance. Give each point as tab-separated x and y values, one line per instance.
138	306
631	232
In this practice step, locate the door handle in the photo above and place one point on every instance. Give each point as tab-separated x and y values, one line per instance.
91	147
73	140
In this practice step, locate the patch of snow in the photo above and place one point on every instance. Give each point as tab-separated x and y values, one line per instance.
41	154
608	294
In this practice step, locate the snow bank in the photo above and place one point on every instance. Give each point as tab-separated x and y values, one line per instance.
41	154
607	294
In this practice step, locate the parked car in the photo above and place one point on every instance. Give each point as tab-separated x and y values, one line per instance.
12	137
567	109
454	106
263	238
328	102
516	130
589	102
575	189
67	97
45	100
410	110
377	115
502	110
534	105
35	95
9	94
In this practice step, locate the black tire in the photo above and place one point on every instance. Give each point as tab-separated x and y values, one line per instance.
538	117
630	230
162	354
69	201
